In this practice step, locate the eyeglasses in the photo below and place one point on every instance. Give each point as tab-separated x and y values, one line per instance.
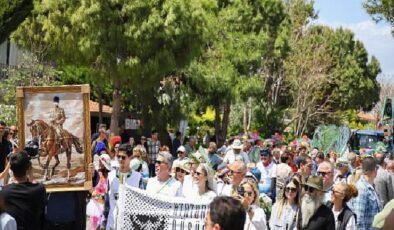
323	174
180	152
290	189
234	172
309	189
159	162
264	155
177	169
121	157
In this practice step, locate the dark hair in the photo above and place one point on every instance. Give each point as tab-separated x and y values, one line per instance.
300	160
2	123
2	205
56	99
177	134
320	155
20	163
126	148
298	186
154	131
228	213
369	164
284	158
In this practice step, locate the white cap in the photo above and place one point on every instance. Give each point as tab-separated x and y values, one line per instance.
181	149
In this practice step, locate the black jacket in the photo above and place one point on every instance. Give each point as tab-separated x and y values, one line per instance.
344	216
322	219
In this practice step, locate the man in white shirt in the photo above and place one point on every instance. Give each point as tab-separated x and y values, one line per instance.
268	173
236	172
236	153
117	179
181	151
163	183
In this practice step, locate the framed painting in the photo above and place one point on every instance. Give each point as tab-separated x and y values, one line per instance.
57	120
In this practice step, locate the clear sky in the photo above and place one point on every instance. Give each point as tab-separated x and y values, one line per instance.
377	38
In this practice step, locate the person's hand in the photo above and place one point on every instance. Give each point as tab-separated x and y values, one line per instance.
243	201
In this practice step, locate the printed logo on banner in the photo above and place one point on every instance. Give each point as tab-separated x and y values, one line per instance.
142	210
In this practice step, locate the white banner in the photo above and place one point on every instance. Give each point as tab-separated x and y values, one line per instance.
148	211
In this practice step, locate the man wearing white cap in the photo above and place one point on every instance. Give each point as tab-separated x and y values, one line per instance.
236	154
181	152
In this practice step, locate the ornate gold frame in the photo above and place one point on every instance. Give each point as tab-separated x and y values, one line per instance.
85	91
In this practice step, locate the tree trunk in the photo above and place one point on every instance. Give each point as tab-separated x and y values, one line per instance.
217	124
226	120
100	101
245	118
116	103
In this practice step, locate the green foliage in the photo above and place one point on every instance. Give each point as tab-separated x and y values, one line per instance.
31	72
12	14
8	114
331	138
351	119
130	44
381	10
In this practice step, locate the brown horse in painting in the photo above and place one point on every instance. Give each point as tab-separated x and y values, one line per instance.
50	147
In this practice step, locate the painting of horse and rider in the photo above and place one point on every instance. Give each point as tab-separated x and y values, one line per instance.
56	122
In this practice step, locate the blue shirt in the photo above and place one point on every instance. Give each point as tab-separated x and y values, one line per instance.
366	205
214	159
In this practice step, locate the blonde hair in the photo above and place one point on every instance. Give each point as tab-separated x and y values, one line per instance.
350	191
356	174
256	191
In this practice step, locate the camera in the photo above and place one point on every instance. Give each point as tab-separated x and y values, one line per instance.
241	191
32	148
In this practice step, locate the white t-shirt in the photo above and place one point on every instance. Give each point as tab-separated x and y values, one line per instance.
7	222
171	187
230	157
267	172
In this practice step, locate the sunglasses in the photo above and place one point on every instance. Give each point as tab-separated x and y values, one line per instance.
323	174
290	189
264	155
248	193
309	189
335	191
198	173
121	157
181	170
159	162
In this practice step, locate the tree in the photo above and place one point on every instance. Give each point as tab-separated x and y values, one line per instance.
381	10
234	56
12	14
127	42
329	72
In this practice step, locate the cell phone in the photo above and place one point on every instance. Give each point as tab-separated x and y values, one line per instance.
241	191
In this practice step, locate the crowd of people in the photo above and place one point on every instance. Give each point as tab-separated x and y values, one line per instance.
249	183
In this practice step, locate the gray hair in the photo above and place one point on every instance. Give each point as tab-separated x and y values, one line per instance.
167	157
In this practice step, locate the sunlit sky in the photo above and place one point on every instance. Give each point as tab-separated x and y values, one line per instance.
377	38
